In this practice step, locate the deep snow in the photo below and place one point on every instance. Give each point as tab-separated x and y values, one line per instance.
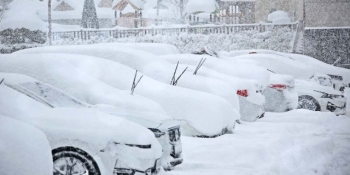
296	142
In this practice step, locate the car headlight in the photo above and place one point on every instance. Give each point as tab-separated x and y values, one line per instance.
157	133
123	171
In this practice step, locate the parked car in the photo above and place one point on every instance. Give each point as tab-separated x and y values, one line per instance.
85	141
315	97
166	130
280	94
297	65
201	114
338	83
24	149
147	64
246	80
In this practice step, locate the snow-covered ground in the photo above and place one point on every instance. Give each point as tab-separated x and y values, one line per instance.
296	142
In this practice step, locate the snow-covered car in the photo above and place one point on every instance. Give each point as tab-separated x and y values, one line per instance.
201	114
164	128
87	141
338	83
247	80
57	72
149	65
24	149
315	97
280	94
299	66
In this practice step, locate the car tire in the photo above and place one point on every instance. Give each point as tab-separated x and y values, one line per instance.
73	160
308	102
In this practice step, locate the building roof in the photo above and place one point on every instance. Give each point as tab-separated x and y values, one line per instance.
63	5
120	5
105	3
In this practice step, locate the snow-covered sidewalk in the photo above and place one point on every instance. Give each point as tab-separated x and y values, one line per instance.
296	142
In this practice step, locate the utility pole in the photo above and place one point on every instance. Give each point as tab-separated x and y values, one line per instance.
182	11
49	21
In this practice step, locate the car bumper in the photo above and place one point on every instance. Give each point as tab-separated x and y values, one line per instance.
120	159
336	106
250	112
280	101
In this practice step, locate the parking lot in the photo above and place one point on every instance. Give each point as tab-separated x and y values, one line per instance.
296	142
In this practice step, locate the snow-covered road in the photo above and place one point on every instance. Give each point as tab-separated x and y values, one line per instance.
296	142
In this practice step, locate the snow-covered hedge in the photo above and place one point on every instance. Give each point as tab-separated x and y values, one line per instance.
278	40
12	40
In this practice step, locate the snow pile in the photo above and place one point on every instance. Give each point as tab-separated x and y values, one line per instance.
278	40
23	14
277	15
52	69
24	149
69	126
198	6
296	142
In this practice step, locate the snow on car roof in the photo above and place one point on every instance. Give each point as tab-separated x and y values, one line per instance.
25	149
85	125
52	69
299	66
243	70
162	49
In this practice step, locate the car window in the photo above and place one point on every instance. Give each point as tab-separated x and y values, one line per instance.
53	96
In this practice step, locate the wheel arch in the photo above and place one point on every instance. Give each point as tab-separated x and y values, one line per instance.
83	146
313	98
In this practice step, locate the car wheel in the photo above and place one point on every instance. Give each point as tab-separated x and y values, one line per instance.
308	102
73	161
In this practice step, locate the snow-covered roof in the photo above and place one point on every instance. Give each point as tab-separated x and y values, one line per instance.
120	5
62	5
199	6
277	14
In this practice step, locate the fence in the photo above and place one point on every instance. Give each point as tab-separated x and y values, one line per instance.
213	29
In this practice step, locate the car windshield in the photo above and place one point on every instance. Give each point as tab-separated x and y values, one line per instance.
55	97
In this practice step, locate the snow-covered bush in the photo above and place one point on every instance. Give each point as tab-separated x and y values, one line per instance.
273	39
22	35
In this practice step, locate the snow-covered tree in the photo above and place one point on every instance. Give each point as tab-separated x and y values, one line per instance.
177	7
89	19
3	7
